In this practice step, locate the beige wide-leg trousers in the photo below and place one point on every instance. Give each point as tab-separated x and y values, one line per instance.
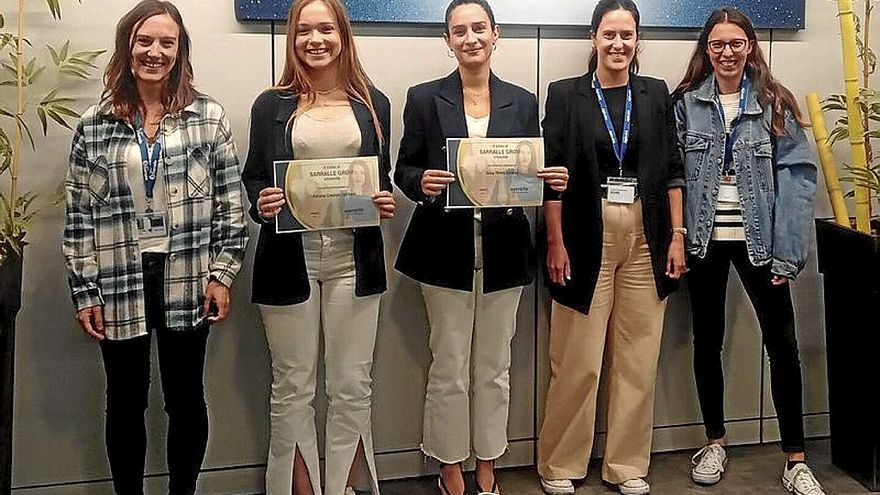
468	394
624	326
349	326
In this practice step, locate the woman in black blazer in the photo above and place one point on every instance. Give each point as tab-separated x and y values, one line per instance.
471	264
330	280
615	250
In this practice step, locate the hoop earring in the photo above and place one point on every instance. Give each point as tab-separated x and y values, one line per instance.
450	53
494	46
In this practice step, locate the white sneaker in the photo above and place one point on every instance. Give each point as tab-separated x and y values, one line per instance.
800	480
709	464
557	487
635	486
349	491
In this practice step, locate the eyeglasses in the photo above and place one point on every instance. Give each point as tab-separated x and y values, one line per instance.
736	46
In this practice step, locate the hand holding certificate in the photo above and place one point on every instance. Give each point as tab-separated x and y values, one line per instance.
327	193
495	172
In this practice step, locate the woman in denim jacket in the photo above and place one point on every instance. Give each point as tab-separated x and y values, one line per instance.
751	180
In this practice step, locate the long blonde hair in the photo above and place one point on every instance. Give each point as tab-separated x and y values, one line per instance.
295	78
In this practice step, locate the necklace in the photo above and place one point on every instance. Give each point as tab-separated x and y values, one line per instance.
475	97
327	91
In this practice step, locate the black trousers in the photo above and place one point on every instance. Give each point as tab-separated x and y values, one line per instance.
707	280
181	366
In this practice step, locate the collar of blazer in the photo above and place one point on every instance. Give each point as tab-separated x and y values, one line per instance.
647	121
287	102
450	107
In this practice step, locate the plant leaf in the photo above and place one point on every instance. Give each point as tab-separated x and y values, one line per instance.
41	113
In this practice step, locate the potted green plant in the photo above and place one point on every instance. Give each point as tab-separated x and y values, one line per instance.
849	255
34	100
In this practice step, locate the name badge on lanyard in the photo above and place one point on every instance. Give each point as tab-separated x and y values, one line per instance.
151	223
620	189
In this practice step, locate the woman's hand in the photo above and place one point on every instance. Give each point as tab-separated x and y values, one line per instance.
676	264
216	295
779	280
555	177
91	320
270	202
435	181
384	201
557	263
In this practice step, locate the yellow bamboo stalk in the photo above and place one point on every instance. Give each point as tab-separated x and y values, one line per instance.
16	146
854	114
826	157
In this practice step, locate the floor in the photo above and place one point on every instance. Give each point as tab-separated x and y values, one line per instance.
751	470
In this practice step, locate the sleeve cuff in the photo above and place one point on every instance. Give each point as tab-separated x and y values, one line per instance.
222	276
675	183
86	297
785	269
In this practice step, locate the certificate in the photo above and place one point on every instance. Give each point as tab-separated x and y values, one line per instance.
495	172
331	193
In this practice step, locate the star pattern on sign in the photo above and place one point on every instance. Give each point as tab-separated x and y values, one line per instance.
784	14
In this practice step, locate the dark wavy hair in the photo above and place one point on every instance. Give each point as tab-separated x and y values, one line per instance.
602	8
770	91
457	3
120	87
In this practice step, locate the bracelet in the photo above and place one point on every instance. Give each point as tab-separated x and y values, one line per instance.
680	230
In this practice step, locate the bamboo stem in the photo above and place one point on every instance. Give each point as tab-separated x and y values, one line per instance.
829	164
19	113
866	83
854	113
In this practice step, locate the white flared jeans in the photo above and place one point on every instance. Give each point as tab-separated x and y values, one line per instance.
349	325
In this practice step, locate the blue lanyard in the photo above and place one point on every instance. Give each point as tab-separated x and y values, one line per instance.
619	148
149	161
728	145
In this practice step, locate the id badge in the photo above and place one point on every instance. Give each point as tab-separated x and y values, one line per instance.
728	193
622	190
152	225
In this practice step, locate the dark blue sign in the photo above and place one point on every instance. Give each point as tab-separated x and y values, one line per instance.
784	14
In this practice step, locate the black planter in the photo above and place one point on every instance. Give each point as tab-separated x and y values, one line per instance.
850	263
10	303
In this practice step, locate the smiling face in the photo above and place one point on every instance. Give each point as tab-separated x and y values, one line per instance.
470	35
317	42
616	39
728	49
154	48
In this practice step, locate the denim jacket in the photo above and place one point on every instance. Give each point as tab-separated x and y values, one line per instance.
776	178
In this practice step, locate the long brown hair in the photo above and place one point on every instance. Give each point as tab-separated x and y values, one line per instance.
120	87
602	8
770	91
295	78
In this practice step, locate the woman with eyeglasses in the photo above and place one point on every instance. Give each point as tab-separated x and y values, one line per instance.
751	183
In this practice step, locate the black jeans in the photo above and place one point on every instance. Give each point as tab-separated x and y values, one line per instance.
181	365
707	280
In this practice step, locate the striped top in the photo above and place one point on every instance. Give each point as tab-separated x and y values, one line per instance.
728	214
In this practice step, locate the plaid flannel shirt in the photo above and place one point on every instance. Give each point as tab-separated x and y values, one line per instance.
208	233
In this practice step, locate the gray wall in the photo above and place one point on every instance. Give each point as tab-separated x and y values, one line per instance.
59	402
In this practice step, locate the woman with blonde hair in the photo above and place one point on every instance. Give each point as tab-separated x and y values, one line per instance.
324	106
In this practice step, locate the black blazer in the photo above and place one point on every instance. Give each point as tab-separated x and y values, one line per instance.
438	247
280	276
570	140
